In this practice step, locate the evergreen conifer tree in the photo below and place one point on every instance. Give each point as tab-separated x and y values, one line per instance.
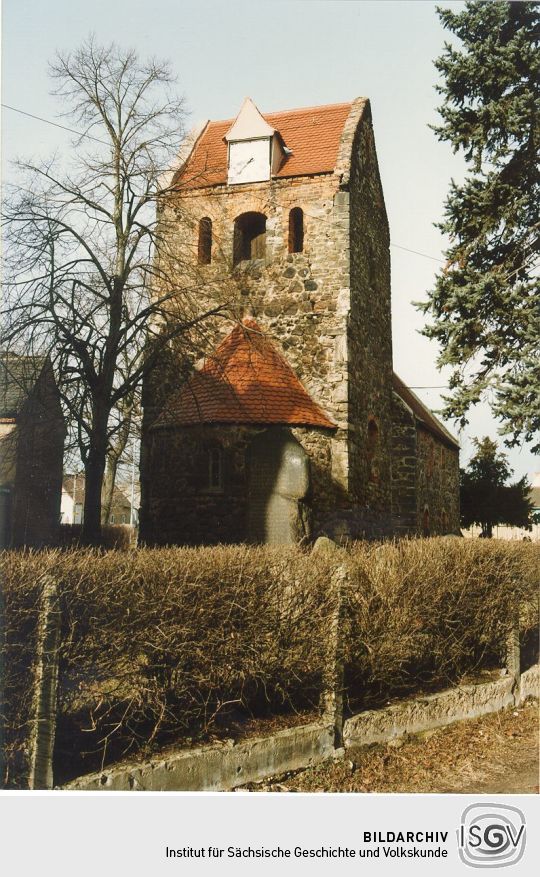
485	307
486	499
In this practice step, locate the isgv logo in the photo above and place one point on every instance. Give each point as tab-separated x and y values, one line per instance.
491	835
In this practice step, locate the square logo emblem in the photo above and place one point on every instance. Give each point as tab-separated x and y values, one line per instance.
491	835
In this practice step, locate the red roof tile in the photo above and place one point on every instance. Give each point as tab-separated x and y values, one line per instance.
313	134
246	380
422	413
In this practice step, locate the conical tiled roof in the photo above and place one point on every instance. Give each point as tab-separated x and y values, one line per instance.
246	380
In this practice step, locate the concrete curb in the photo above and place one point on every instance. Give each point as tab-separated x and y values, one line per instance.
225	766
432	711
530	683
219	767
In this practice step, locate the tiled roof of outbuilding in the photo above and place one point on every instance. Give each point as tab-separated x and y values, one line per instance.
245	381
312	133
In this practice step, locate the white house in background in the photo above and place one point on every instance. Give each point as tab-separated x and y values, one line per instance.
72	504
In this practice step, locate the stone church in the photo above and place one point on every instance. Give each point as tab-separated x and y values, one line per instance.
294	423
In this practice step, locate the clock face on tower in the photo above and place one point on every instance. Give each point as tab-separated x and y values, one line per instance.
251	144
249	160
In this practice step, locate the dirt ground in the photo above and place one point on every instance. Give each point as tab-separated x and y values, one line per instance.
496	754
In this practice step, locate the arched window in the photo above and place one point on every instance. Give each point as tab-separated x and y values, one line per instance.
372	449
249	237
205	241
425	522
430	465
215	470
296	230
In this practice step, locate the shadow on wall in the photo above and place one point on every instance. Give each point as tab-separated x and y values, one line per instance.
279	489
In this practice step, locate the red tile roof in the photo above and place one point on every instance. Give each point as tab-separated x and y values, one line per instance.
423	414
312	133
245	381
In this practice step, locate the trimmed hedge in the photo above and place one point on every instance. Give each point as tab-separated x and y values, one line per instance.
160	645
427	612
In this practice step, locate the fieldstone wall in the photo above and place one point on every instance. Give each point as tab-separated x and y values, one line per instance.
437	485
425	477
181	507
404	463
369	329
327	309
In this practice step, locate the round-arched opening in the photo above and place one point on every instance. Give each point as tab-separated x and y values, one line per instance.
249	237
205	241
296	230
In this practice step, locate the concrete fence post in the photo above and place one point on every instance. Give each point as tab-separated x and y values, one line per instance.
2	691
513	658
45	690
333	682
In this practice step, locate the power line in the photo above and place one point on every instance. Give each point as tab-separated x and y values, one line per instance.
55	124
105	143
90	137
418	253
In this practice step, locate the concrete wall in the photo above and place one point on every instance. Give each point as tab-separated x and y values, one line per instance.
433	711
220	767
226	766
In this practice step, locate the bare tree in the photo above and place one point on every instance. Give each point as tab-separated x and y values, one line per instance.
83	281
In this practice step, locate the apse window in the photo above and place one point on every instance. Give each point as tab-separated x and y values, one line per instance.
372	449
205	241
215	470
296	230
249	237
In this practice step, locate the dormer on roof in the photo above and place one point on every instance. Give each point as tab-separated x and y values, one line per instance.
255	149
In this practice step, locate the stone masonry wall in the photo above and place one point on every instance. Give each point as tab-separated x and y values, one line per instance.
302	299
404	475
292	295
180	507
437	485
369	329
327	309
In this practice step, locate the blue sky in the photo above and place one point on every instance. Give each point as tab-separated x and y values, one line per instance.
283	54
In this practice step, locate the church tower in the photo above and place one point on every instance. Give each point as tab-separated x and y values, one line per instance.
284	431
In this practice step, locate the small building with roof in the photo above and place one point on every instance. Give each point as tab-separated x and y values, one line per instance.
294	423
32	433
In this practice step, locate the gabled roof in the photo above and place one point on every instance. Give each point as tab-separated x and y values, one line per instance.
18	377
245	381
312	134
422	414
